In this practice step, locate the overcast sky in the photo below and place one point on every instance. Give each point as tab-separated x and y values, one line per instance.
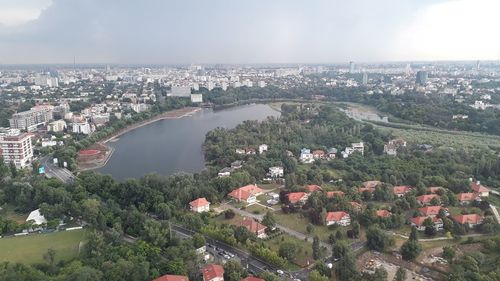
247	31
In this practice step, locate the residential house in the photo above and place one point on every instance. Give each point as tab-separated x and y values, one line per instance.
426	198
306	156
235	165
262	148
312	188
470	220
276	172
401	190
331	194
297	197
172	278
434	189
331	153
224	172
240	151
371	184
479	189
383	214
359	147
246	193
418	222
319	154
252	226
390	149
212	272
250	151
432	211
338	218
200	205
356	206
467	198
347	151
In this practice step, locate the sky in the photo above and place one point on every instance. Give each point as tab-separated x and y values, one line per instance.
247	31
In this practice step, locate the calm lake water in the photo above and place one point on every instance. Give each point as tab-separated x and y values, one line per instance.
174	145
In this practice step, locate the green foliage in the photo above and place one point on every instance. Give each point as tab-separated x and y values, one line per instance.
377	239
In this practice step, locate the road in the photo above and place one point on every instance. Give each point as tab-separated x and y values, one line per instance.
52	170
495	213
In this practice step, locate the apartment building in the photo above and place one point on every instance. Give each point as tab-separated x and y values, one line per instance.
16	147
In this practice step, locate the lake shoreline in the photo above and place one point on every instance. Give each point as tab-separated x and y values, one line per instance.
172	114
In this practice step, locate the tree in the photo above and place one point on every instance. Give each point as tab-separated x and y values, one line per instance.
377	239
355	229
430	227
198	240
345	268
400	274
50	256
411	248
310	228
233	271
155	233
448	253
242	234
340	249
288	250
316	276
269	220
229	214
316	248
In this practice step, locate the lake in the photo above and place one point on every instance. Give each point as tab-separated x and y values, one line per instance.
174	145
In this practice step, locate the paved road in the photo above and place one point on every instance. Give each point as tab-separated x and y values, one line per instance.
52	170
495	213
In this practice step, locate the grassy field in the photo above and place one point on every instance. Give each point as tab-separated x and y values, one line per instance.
299	223
8	212
304	253
30	249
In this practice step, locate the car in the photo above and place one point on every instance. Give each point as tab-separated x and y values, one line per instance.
210	245
227	257
220	253
280	272
230	254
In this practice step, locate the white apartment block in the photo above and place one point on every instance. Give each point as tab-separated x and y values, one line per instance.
16	148
29	120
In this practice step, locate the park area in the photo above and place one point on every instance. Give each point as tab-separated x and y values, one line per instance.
30	249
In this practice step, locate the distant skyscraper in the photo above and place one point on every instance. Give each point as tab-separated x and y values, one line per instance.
478	64
421	77
351	67
364	79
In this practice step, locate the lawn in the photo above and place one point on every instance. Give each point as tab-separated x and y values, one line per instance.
9	213
299	223
304	253
257	209
30	249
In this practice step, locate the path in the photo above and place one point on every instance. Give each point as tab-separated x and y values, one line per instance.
436	238
494	210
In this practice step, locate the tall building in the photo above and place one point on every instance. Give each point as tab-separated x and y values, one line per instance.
364	79
351	67
29	120
15	147
421	77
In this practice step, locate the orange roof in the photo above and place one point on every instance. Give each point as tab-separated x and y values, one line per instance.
477	187
313	188
434	189
335	216
244	192
371	184
430	210
426	198
251	225
383	213
466	196
212	271
318	152
401	189
295	197
469	219
199	202
363	189
251	278
172	278
418	221
330	194
356	205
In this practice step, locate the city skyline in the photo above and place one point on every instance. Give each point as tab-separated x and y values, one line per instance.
257	32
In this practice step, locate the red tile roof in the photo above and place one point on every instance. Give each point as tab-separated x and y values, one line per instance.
466	197
477	187
212	271
371	184
430	210
468	219
251	278
363	189
172	278
418	221
313	188
356	205
434	189
295	197
426	198
335	216
383	213
318	152
251	225
244	192
331	194
401	189
199	202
